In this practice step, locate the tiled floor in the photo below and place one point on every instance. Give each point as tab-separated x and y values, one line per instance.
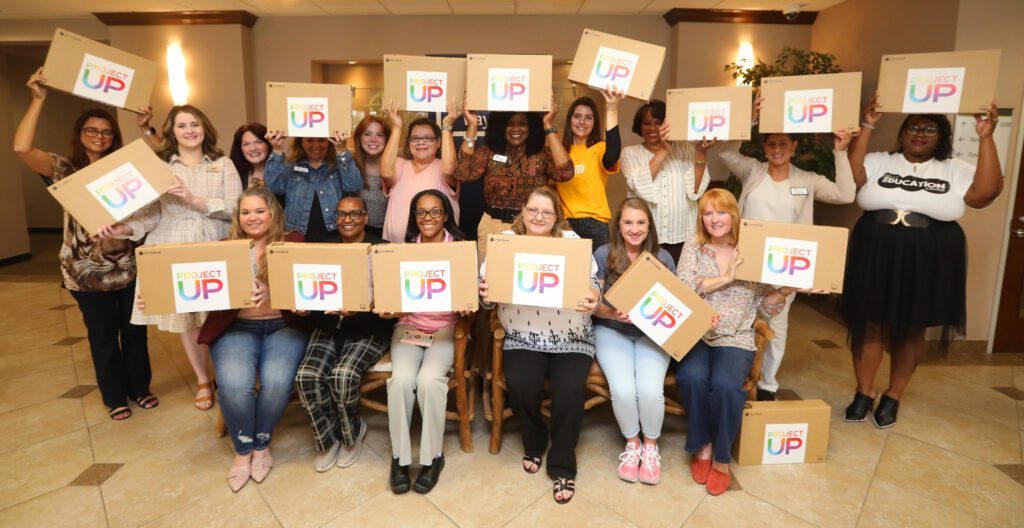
951	460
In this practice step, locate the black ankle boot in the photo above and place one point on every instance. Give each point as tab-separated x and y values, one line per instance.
859	409
429	476
400	481
885	414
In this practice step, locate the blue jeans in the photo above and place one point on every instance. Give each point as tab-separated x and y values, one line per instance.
266	350
635	369
711	381
591	228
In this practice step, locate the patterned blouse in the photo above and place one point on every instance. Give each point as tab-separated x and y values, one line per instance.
738	303
90	265
376	202
507	184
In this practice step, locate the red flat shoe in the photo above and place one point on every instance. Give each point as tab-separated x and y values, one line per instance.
699	469
718	482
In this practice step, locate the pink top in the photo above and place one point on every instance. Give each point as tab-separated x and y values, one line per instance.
406	184
431	322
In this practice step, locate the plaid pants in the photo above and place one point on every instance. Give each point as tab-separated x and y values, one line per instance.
329	380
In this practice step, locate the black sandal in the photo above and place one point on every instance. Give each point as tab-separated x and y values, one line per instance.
119	413
562	485
533	460
147	402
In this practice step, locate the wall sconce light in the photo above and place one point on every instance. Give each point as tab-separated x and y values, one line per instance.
176	74
745	58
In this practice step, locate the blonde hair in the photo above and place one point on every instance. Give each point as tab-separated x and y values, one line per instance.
720	200
560	225
274	234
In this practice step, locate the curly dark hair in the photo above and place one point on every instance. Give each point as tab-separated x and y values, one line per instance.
496	123
944	148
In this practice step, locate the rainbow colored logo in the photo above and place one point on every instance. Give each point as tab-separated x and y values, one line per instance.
932	88
306	115
425	90
806	109
118	193
788	261
320	286
610	68
658	310
204	283
507	87
779	445
707	121
107	79
424	284
531	277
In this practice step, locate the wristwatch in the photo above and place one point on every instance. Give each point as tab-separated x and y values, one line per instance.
149	131
552	130
446	127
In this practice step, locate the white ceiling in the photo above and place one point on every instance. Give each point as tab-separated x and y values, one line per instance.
16	9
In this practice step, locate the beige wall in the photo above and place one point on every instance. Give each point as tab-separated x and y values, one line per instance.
41	30
12	213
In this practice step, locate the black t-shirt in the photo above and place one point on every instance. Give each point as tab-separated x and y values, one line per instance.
316	229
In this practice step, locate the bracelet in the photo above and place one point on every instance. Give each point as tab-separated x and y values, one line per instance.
552	130
446	127
867	126
700	163
149	131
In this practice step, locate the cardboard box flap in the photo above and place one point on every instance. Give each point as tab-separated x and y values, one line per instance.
721	112
811	103
306	276
942	83
197	277
796	255
538	271
514	83
425	277
115	187
309	109
604	59
423	84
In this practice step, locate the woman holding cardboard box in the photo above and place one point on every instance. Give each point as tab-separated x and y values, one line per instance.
711	375
777	191
100	274
561	353
906	268
669	175
371	135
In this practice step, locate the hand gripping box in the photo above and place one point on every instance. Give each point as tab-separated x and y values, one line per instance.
198	277
802	104
425	277
795	255
603	59
938	83
515	83
309	109
424	84
538	271
783	432
661	305
319	276
721	112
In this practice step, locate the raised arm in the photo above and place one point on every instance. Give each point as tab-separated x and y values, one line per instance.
844	189
150	134
275	173
613	141
389	158
988	177
859	148
24	137
559	155
448	155
348	172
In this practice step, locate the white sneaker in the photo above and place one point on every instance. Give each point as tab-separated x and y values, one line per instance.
349	454
325	460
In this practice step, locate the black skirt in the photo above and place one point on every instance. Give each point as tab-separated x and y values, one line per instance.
902	278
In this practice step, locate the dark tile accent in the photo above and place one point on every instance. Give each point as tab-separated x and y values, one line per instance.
1012	392
787	395
68	341
1014	471
61	307
78	392
96	475
825	343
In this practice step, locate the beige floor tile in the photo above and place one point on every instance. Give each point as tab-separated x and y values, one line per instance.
37	423
36	388
826	494
75	323
40	468
985	376
857	445
888	505
19	318
969	435
30	339
247	508
942	389
580	511
70	507
954	480
1018	377
410	510
736	509
295	485
32	361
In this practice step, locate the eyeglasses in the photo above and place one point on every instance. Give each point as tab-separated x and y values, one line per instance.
421	139
434	213
93	132
355	214
926	131
534	212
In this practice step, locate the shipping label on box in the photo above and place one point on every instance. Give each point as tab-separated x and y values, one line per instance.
938	83
200	277
309	109
538	271
721	112
320	277
795	255
661	305
604	60
811	103
88	69
423	84
783	432
114	187
517	83
425	277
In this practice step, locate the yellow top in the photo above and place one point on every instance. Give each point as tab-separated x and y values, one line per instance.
585	195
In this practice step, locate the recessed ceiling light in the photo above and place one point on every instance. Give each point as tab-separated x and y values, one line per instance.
353	62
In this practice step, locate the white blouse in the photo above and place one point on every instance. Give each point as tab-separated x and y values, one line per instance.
670	194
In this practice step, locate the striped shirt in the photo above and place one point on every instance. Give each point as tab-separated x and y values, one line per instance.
670	195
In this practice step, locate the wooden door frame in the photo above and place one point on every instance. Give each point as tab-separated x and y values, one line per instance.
1011	275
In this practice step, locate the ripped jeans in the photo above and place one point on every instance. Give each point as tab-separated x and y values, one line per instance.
251	350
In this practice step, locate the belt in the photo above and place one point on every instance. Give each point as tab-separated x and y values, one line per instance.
504	215
902	218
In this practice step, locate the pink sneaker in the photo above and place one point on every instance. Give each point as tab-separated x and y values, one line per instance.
630	462
650	465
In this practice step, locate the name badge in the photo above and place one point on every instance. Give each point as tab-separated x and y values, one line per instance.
301	169
212	168
500	158
798	191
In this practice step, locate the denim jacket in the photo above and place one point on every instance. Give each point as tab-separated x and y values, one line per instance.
299	182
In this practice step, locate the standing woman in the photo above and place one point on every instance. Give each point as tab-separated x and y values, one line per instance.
100	274
634	365
198	208
777	191
405	178
312	178
906	268
249	153
562	354
669	176
585	197
523	152
372	135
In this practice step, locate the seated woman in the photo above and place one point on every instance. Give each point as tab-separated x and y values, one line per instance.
253	344
562	354
419	367
340	350
633	364
711	375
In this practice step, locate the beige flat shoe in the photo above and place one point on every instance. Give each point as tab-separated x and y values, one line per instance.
261	466
238	476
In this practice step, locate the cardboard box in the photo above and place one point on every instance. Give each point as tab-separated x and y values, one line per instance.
938	83
604	59
199	277
811	103
88	69
721	111
538	271
661	305
796	255
517	83
425	277
424	84
309	109
783	432
114	187
319	276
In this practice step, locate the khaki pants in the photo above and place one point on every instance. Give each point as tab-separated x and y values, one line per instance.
419	375
487	226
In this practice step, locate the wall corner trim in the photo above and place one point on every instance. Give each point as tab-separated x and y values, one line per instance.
177	18
737	16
